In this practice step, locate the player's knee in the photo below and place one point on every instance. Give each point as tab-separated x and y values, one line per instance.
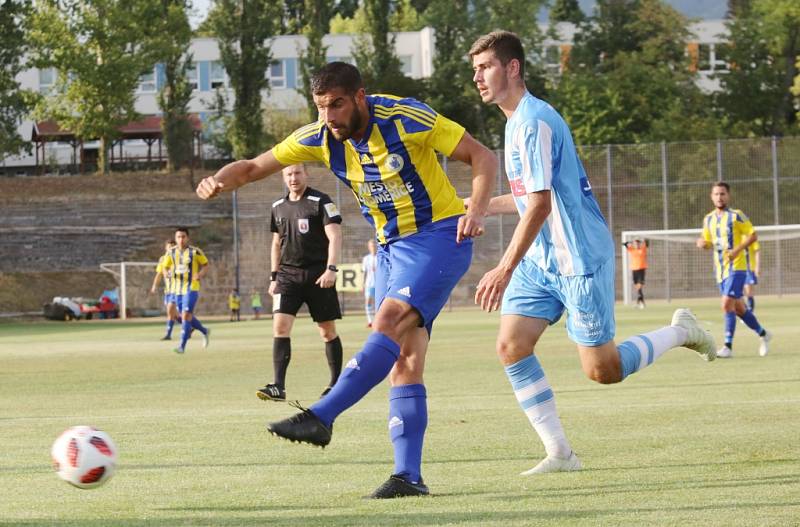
510	352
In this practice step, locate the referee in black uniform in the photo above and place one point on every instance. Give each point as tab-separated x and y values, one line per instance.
306	244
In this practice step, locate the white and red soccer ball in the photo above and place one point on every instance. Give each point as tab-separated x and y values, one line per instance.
84	456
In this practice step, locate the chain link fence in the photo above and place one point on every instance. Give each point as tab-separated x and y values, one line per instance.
639	187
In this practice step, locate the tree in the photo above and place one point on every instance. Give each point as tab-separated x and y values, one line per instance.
763	51
176	93
374	53
566	11
628	77
14	102
314	55
243	29
99	49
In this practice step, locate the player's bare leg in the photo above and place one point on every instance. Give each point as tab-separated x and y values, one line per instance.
610	363
516	341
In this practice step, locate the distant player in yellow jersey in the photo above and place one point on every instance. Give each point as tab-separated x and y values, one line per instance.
169	297
753	269
188	265
384	148
729	233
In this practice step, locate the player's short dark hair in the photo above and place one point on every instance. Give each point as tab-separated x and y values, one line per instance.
182	229
505	45
722	184
336	75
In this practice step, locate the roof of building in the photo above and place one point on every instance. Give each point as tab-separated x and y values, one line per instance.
149	127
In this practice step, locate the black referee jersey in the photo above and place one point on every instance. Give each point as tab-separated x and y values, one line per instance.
301	226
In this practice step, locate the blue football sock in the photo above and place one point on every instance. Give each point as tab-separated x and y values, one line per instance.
752	322
408	419
751	303
730	326
186	332
362	373
170	325
198	326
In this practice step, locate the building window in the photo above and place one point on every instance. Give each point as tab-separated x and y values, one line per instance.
277	74
218	77
405	64
552	58
191	75
720	58
47	80
147	82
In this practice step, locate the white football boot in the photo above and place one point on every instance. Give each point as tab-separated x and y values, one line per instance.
555	464
763	348
697	338
725	352
206	338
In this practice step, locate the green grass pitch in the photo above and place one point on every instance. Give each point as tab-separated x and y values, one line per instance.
682	443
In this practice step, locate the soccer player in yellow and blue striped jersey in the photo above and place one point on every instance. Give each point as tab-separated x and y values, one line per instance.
730	233
188	266
169	297
384	148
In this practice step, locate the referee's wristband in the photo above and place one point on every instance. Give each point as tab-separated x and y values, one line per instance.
273	276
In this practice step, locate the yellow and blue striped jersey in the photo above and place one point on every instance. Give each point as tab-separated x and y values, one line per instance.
185	265
160	268
393	171
724	231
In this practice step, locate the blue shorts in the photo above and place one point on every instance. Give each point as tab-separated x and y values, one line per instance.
369	292
733	285
169	298
588	299
186	302
423	268
751	279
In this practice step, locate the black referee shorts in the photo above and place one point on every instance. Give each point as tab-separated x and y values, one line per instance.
638	276
296	286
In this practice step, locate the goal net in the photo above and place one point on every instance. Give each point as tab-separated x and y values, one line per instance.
134	280
676	268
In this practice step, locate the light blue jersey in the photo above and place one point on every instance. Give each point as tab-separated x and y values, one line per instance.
540	155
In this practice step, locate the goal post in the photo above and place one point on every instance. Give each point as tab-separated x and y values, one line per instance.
134	280
678	269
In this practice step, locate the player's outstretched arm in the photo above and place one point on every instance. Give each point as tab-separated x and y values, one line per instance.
484	169
239	173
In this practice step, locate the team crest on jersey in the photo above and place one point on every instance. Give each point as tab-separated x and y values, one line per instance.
302	225
394	163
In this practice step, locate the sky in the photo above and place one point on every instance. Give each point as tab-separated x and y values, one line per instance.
704	9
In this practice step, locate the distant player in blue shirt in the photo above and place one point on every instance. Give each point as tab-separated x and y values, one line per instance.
561	256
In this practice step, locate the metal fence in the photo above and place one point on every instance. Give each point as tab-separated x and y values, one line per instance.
639	187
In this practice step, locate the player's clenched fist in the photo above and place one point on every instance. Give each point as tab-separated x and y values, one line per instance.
469	226
209	187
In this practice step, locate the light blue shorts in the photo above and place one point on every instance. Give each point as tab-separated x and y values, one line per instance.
588	299
369	292
751	279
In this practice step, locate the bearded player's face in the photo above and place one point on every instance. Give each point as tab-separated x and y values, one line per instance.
340	112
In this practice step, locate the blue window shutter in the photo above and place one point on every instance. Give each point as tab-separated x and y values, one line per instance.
290	66
204	71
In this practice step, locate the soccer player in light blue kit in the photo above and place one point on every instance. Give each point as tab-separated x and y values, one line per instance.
561	256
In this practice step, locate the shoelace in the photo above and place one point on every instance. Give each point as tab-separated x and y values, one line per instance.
299	417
